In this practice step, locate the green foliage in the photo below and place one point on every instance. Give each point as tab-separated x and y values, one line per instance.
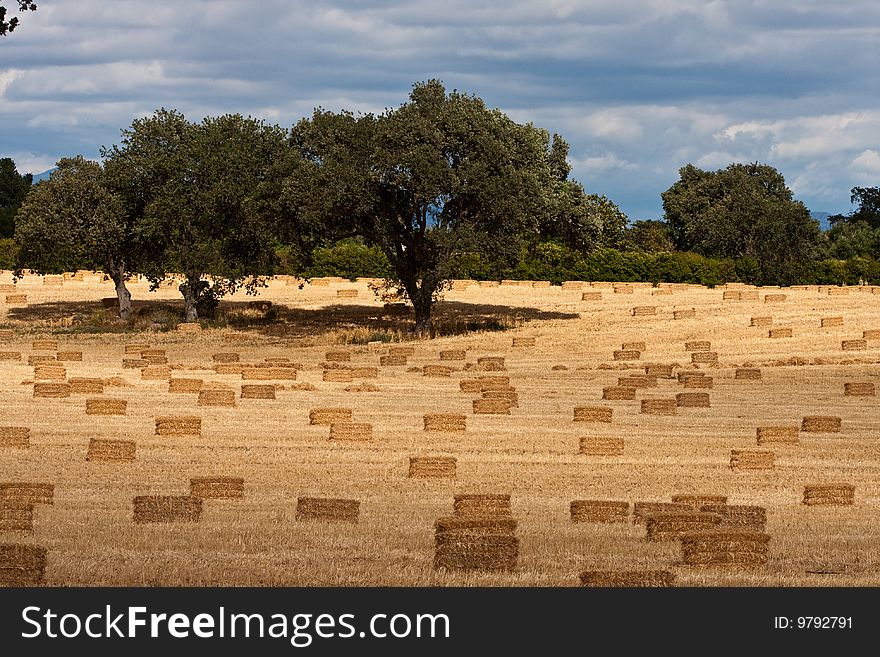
8	253
648	236
13	189
349	259
850	239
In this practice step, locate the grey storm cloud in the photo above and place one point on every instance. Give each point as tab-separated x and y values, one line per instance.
638	87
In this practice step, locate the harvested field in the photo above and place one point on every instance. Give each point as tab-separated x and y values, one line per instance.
432	467
167	508
102	449
256	391
445	422
327	509
627	578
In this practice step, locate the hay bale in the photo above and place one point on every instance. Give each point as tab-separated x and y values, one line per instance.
178	425
670	526
573	285
599	511
50	373
508	395
698	382
136	348
491	363
8	287
488	383
470	385
338	356
761	321
731	295
481	505
698	500
644	510
252	373
134	363
189	327
637	381
52	390
254	391
838	291
698	345
105	406
359	431
858	389
402	350
228	368
492	407
15	437
627	354
524	341
328	415
774	298
686	375
692	400
592	414
854	345
629	579
661	292
784	435
45	345
633	346
180	386
445	422
785	332
829	494
618	393
623	289
747	374
327	509
365	372
16	299
725	547
684	313
827	322
217	488
591	296
601	446
216	397
86	385
659	407
704	357
22	565
347	293
739	516
167	508
748	295
111	450
10	355
69	356
337	376
644	311
752	459
226	357
436	370
475	544
26	492
156	373
41	359
821	424
660	371
52	279
871	334
395	360
16	517
432	467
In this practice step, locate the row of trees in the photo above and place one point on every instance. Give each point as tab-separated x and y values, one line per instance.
431	187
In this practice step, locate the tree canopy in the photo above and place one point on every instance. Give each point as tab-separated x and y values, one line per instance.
13	188
7	26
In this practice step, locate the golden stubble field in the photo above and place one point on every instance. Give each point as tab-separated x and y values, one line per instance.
533	453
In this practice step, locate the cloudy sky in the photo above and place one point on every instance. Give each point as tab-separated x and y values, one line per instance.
638	87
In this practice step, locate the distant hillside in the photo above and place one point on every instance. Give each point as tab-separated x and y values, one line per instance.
43	176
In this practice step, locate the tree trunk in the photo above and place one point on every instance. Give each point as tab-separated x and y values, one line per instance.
190	299
118	275
424	327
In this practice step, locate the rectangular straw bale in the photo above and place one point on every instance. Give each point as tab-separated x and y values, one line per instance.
837	494
81	385
392	360
15	437
670	526
705	357
481	552
698	500
329	415
106	406
623	289
660	370
338	355
601	445
217	488
826	322
573	285
51	390
346	294
731	295
269	374
16	516
22	564
228	368
69	356
45	345
491	363
216	397
761	321
784	332
592	413
41	359
402	350
111	450
786	435
628	579
774	298
698	382
692	400
436	370
178	425
167	508
725	546
838	291
659	407
453	354
337	376
180	386
481	505
747	374
135	348
854	345
748	295
618	393
684	313
752	459
432	467
626	354
633	346
591	296
27	492
644	311
16	299
684	375
698	345
524	341
492	407
226	357
10	355
599	511
821	424
637	381
740	516
496	382
327	509
871	334
470	385
859	389
661	292
50	373
8	287
445	422
256	391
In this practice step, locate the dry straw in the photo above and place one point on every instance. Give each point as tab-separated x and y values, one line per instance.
592	414
346	294
16	299
70	356
785	435
104	406
637	381
50	373
627	354
660	370
432	467
134	363
52	390
692	400
704	357
22	565
136	348
838	291
436	370
365	372
859	389
572	285
327	509
16	516
731	295
623	289
15	437
685	375
661	292
7	287
643	510
481	505
829	494
393	359
684	313
739	516
181	386
41	359
226	357
854	345
10	355
111	450
492	407
826	322
599	511
821	424
698	345
217	488
167	508
491	363
618	393
601	446
156	373
445	422
697	500
748	295
327	416
278	373
785	332
670	526
871	334
482	544
725	547
509	395
189	327
524	341
591	296
752	459
216	397
698	382
761	321
495	382
45	345
453	354
255	391
51	279
337	376
633	346
402	350
178	425
644	311
470	385
228	368
748	374
27	492
359	431
338	356
774	298
629	579
659	407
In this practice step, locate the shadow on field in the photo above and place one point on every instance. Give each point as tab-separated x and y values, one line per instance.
351	322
